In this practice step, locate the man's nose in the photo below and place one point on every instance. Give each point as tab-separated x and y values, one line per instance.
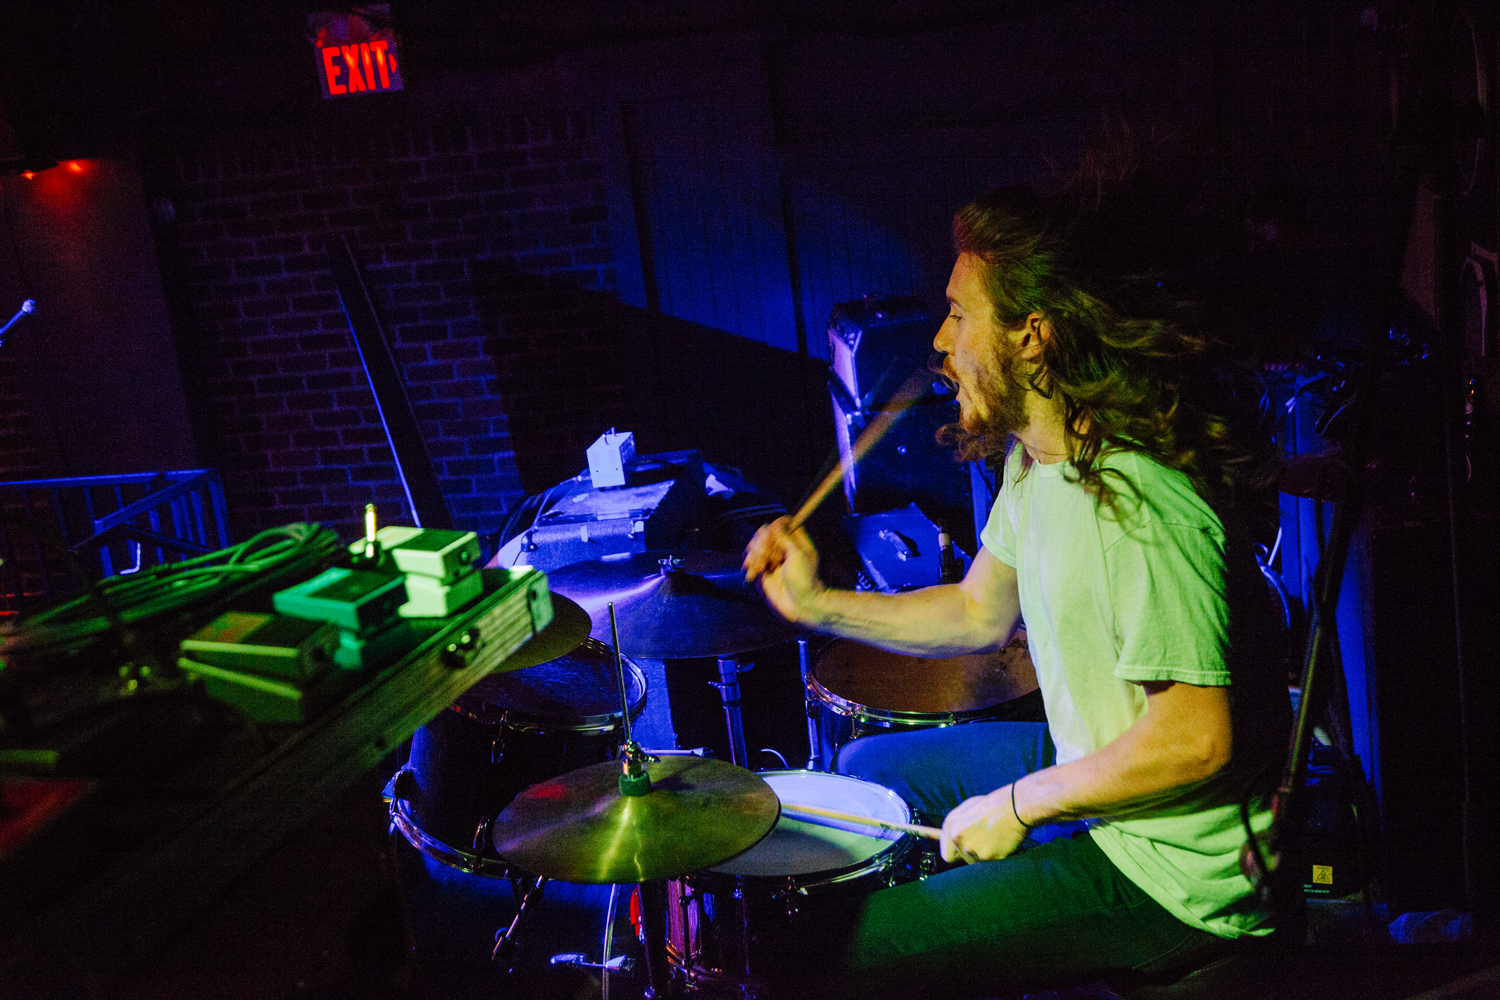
943	342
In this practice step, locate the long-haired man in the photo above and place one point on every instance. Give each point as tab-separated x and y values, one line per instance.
1105	840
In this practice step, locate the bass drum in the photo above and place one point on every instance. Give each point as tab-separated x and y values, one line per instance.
857	690
727	925
505	734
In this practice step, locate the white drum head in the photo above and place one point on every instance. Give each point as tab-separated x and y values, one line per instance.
804	845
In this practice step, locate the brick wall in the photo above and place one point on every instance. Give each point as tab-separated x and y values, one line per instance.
483	240
18	455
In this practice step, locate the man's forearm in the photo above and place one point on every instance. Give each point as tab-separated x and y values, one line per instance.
932	622
1181	742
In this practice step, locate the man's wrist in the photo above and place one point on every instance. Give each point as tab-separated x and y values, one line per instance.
816	609
1029	808
1015	810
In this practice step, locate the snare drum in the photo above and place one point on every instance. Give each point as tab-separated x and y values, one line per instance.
723	924
505	734
855	690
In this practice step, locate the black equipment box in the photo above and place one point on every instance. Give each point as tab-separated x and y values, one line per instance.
656	509
908	465
875	344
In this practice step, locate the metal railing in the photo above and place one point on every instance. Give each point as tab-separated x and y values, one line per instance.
57	536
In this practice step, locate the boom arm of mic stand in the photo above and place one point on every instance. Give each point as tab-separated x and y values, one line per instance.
27	308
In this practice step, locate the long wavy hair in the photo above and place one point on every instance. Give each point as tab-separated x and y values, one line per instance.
1127	355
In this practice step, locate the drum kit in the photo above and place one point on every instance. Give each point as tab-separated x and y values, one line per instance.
535	771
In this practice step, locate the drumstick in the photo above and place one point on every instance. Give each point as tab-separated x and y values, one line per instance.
889	414
930	832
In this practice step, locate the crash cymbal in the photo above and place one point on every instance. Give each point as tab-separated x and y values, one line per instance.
578	827
697	605
570	625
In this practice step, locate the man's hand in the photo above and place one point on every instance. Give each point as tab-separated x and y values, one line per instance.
983	828
786	563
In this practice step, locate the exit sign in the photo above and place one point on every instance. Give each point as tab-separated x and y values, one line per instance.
355	51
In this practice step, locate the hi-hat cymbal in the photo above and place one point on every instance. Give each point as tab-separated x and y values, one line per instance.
570	625
578	827
697	604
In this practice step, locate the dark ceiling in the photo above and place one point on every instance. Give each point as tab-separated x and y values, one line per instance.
75	73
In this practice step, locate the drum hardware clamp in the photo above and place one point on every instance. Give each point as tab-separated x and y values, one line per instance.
482	833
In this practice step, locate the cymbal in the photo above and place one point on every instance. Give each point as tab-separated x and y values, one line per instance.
702	606
578	827
570	625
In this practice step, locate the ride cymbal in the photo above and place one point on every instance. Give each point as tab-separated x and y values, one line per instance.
674	607
579	827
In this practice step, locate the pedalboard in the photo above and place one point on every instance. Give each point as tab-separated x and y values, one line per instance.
271	645
349	598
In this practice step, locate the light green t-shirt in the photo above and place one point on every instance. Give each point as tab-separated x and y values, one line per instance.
1113	600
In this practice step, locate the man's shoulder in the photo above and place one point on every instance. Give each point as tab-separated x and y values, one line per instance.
1149	492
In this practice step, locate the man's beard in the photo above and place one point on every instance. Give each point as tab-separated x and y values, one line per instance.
1003	396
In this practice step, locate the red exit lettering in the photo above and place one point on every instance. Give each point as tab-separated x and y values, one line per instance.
359	67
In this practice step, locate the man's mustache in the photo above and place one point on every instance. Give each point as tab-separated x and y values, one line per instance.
941	365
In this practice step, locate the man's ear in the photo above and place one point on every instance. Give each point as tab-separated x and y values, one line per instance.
1035	333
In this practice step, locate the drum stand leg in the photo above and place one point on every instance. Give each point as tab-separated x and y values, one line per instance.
729	693
654	929
814	735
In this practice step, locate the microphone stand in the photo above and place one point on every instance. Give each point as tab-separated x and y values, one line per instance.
1420	141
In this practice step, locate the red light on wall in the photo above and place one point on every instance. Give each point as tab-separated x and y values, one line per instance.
356	50
28	174
74	166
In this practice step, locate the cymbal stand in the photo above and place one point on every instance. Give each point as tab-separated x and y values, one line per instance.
729	693
635	781
815	760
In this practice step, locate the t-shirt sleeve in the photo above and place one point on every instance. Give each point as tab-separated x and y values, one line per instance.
1171	614
999	534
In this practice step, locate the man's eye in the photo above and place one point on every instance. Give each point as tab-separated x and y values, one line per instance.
954	316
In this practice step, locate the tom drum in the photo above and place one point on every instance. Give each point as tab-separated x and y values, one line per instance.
855	690
505	734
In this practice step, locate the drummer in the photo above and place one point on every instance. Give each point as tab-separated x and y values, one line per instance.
1114	537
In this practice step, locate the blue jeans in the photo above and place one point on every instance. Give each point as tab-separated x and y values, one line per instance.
1056	912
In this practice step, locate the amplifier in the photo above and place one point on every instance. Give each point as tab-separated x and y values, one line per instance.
874	344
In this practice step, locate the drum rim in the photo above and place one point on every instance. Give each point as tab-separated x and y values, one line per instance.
525	723
889	717
440	850
882	860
